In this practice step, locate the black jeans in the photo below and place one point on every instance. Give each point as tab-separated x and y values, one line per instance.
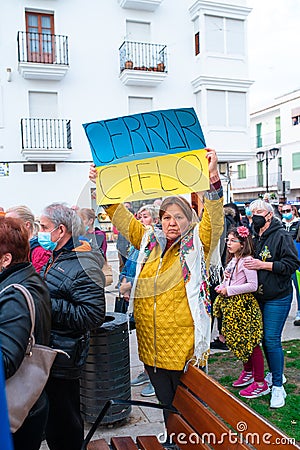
165	383
30	435
65	428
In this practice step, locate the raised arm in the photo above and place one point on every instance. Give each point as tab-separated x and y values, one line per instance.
212	223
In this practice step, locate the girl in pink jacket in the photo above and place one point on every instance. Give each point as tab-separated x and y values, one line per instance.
241	315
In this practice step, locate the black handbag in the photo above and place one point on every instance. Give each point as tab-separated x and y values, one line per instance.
121	305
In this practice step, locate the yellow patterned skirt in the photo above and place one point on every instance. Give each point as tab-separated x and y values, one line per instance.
241	323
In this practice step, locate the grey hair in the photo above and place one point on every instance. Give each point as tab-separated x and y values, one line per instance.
152	209
60	213
261	204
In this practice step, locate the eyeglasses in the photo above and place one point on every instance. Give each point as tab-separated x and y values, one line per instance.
286	210
231	240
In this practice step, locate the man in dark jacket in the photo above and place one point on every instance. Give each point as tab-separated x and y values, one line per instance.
76	284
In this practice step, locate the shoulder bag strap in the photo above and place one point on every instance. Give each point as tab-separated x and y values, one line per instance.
31	307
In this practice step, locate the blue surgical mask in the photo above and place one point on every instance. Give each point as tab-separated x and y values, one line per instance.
44	239
248	212
287	216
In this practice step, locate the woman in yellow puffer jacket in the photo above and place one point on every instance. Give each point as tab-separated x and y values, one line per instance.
170	292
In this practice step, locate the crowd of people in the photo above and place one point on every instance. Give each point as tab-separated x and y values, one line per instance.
174	266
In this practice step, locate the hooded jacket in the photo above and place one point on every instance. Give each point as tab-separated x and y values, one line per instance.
275	245
76	284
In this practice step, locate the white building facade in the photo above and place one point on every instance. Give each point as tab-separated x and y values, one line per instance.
275	139
65	63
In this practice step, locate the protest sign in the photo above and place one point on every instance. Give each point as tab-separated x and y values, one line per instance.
148	155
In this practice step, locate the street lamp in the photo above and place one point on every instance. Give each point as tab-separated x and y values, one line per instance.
267	156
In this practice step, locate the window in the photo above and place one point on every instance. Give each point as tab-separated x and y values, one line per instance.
258	135
48	167
30	168
197	44
197	36
40	37
295	116
43	104
278	130
138	31
226	108
260	175
224	35
296	161
241	171
1	108
139	104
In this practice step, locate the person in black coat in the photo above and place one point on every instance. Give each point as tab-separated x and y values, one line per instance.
275	259
15	322
76	283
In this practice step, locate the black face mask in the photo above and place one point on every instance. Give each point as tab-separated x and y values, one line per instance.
258	222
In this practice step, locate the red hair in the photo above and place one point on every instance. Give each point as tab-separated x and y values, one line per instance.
14	239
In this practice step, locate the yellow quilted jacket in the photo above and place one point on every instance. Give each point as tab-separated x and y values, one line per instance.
164	324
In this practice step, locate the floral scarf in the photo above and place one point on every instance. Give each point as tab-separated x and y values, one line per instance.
196	284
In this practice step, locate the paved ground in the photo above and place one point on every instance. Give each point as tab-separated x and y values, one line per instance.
143	421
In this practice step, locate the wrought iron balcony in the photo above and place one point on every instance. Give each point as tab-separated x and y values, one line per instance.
46	139
142	63
42	56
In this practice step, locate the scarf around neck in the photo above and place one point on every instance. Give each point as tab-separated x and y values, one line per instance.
196	284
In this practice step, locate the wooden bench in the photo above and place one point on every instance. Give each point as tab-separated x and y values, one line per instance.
207	416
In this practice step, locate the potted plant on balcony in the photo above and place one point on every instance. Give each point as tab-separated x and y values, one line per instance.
160	66
128	64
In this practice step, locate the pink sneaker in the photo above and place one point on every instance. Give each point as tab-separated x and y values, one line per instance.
254	390
244	379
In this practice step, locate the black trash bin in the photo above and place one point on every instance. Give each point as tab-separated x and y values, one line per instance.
106	374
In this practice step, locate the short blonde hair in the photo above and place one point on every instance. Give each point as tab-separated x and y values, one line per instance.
25	214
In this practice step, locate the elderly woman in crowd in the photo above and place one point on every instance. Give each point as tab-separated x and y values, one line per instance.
170	290
15	322
38	255
275	259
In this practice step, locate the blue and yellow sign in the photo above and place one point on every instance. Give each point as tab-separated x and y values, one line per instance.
148	155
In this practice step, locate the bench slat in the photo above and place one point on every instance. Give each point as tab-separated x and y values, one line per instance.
98	444
203	420
177	425
123	443
148	443
233	411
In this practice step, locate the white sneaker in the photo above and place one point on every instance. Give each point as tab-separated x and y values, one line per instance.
278	397
297	319
269	378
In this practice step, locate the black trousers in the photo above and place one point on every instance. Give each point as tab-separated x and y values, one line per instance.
65	428
165	383
30	435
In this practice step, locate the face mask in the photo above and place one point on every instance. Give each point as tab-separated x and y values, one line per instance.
44	239
287	216
258	222
248	212
87	228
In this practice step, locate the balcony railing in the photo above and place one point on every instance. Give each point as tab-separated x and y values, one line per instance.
42	48
143	56
46	139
